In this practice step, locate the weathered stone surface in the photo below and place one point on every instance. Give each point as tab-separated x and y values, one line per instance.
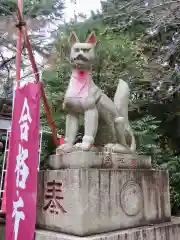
76	159
80	159
88	201
166	231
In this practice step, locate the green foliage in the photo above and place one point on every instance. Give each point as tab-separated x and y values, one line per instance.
172	164
33	8
47	149
55	83
147	137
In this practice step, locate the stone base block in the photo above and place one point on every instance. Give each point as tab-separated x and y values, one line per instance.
83	202
166	231
95	159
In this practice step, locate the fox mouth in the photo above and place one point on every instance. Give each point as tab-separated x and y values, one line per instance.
81	58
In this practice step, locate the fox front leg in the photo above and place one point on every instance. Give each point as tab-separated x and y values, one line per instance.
90	128
71	131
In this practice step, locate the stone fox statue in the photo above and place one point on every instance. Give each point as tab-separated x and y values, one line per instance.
84	97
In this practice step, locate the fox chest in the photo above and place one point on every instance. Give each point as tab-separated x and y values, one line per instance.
81	94
80	104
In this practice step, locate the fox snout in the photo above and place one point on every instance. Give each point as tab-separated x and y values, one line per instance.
81	57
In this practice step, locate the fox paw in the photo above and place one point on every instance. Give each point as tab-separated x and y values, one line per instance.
86	144
64	148
117	148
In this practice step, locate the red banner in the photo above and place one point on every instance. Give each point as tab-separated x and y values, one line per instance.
23	164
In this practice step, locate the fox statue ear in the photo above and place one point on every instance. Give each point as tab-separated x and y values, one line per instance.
73	38
92	38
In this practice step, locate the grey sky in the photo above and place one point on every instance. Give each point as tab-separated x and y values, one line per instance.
81	6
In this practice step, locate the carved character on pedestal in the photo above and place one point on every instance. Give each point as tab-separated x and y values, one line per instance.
84	97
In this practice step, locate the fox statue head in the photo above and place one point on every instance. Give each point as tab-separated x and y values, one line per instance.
82	55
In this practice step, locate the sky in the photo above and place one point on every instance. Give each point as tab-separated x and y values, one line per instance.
81	6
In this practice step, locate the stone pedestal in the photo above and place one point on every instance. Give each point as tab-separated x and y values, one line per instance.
84	202
95	159
165	231
76	203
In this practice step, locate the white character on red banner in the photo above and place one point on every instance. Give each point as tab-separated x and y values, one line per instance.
22	169
18	215
24	119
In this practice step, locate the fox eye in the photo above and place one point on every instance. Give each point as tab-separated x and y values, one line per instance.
76	49
86	49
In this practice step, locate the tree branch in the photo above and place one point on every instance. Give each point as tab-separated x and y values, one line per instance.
5	61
